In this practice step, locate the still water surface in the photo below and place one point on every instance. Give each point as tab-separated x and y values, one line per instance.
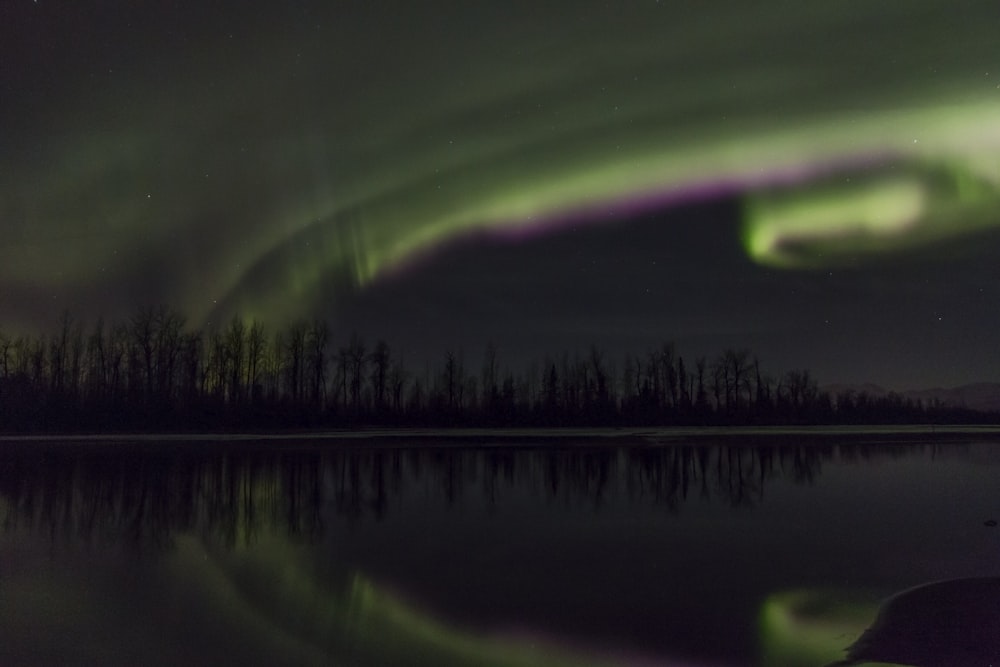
734	551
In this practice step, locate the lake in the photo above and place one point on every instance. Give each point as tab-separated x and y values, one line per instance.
480	548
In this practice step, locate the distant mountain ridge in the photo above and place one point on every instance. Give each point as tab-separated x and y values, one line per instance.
983	396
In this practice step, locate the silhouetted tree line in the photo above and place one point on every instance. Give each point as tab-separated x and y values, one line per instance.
152	372
136	496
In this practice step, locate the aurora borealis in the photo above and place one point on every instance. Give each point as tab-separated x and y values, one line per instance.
376	162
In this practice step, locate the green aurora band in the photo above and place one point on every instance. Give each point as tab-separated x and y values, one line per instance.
807	627
263	172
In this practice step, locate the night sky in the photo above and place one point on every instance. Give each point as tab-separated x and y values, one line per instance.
817	181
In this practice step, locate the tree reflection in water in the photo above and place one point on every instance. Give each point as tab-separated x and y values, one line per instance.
391	549
126	494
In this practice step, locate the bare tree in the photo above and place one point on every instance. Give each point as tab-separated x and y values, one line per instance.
452	380
550	390
192	368
490	387
669	374
143	331
5	345
701	397
319	333
169	325
682	383
235	356
800	389
58	355
356	365
117	360
295	365
380	358
735	376
256	342
397	381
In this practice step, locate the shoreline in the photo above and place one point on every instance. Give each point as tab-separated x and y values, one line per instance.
522	437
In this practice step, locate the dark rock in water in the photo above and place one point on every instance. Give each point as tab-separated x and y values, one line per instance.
992	523
953	623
